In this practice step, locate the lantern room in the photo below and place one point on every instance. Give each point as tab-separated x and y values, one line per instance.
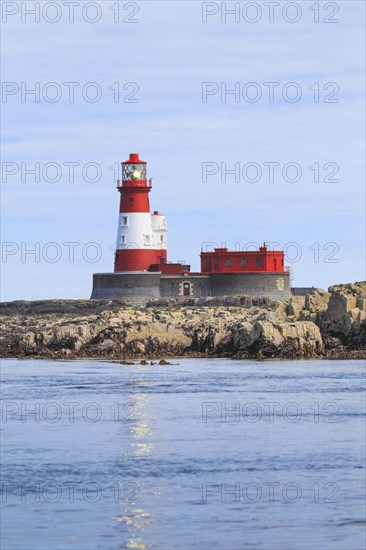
134	171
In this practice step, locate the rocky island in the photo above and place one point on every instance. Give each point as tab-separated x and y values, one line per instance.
319	323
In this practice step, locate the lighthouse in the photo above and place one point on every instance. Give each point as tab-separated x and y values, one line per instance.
141	236
143	275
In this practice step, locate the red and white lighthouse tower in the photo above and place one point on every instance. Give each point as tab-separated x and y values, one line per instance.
141	236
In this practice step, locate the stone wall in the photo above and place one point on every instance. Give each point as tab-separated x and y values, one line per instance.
272	285
134	288
139	288
171	286
303	291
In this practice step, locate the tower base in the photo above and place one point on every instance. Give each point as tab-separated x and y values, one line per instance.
138	287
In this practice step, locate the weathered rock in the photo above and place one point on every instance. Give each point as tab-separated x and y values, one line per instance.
258	328
345	316
295	306
317	301
305	337
243	336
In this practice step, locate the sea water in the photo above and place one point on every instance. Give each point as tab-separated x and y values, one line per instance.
199	454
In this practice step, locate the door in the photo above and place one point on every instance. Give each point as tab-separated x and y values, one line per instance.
186	289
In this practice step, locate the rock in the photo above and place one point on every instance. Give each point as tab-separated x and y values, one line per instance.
268	334
343	319
243	336
305	337
321	323
317	301
295	306
271	316
106	345
139	348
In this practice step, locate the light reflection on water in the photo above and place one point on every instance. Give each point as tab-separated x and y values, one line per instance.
177	474
136	519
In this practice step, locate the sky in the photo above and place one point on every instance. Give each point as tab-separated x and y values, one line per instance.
154	78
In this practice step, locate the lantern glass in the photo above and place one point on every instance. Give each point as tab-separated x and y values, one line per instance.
133	172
